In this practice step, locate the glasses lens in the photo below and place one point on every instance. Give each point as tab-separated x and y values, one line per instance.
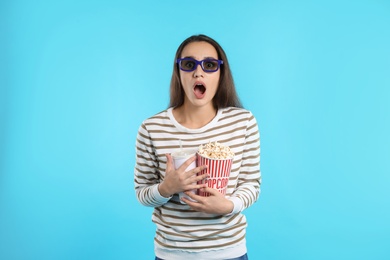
210	65
187	65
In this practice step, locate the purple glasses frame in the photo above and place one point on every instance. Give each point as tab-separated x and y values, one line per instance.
199	62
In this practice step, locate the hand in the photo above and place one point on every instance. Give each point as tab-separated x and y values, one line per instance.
179	180
216	203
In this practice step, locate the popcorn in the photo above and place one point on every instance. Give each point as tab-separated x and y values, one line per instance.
215	151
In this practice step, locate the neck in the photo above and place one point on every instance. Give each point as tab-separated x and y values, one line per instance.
194	117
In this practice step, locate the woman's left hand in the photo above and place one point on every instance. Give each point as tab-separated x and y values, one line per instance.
216	203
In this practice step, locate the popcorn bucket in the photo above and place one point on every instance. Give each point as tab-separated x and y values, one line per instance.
218	171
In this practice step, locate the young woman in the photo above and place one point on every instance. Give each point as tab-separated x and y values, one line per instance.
204	107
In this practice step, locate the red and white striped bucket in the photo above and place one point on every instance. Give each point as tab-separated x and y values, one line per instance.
218	171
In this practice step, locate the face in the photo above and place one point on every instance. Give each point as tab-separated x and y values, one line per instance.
199	86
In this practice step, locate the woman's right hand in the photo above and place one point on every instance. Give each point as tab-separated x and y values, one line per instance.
179	180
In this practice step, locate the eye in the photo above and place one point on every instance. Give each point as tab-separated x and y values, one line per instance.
188	64
210	64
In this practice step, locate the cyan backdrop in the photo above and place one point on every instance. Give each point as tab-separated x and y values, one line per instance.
78	77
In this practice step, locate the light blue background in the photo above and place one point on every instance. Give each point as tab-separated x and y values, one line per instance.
78	77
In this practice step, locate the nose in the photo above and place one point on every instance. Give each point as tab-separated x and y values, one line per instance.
198	72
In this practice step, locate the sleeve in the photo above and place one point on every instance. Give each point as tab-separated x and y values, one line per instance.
249	178
146	176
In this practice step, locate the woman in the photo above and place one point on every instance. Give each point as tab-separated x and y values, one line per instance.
204	107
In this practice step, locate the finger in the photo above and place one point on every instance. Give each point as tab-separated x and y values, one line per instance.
192	185
187	163
169	162
194	181
212	191
198	171
190	203
201	176
195	205
193	196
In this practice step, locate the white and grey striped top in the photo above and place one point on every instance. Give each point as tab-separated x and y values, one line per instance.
179	227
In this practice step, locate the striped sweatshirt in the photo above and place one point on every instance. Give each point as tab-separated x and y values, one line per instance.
179	228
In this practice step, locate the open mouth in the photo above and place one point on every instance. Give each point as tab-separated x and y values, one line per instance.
199	90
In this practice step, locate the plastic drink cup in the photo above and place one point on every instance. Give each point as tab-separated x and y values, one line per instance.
218	171
178	159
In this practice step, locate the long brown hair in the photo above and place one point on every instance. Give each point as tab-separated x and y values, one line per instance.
226	95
